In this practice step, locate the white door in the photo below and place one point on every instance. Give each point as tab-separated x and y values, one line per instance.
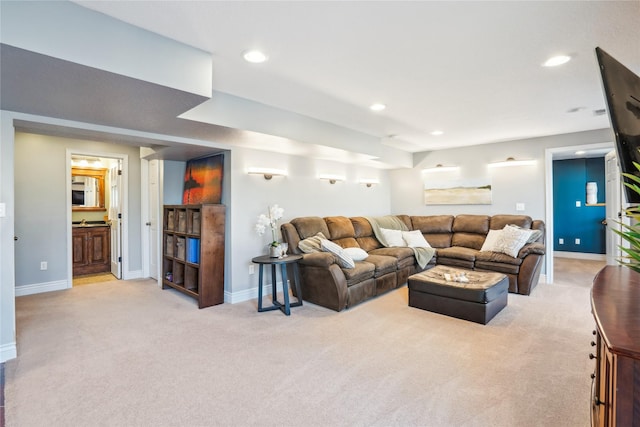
115	216
614	207
153	221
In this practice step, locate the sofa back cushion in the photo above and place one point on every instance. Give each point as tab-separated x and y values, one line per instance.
364	234
470	231
308	226
341	231
498	222
437	229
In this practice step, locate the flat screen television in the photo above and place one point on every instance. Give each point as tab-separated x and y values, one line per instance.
622	92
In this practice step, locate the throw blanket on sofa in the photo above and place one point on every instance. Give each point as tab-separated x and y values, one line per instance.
423	254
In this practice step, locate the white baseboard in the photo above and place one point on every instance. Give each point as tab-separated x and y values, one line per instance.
249	294
8	351
131	275
37	288
543	278
580	255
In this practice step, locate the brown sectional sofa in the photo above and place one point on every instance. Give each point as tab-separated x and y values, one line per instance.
457	240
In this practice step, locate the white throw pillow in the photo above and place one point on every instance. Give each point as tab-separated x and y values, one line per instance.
508	241
491	241
356	254
393	237
513	239
415	239
342	258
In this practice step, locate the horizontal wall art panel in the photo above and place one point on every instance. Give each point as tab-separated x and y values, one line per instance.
457	192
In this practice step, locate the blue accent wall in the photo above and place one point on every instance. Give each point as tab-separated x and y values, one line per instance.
570	178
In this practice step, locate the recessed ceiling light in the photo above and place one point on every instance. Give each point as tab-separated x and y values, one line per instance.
580	152
557	60
377	107
255	56
437	133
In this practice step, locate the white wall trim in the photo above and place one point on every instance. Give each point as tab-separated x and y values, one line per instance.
38	288
580	255
131	275
8	351
251	294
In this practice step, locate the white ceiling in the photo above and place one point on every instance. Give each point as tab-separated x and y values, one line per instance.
470	69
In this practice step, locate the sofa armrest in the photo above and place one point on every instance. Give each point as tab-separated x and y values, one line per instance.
532	248
318	259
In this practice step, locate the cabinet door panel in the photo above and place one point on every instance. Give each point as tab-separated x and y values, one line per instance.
78	241
99	247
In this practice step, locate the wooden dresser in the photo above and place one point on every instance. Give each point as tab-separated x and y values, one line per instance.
615	303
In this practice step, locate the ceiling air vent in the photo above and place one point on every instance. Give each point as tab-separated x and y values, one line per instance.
599	112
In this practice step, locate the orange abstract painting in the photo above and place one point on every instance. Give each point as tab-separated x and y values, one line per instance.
203	181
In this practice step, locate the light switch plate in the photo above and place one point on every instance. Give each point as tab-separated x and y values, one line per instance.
519	206
3	210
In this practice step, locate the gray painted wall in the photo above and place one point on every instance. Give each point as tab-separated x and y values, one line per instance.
510	185
41	204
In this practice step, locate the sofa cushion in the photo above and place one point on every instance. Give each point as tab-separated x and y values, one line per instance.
457	252
310	226
342	258
340	227
383	264
433	224
311	244
397	252
476	224
360	271
498	222
496	257
364	234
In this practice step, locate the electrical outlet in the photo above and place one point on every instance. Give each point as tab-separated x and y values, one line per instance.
519	206
561	241
43	265
252	269
577	241
578	204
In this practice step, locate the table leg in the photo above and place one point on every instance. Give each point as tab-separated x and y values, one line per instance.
296	279
285	289
260	287
274	288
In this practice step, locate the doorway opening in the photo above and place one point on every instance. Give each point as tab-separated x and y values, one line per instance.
563	153
96	211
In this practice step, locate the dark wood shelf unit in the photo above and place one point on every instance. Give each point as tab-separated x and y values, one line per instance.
615	303
193	251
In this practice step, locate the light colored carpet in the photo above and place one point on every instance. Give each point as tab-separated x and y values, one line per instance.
130	354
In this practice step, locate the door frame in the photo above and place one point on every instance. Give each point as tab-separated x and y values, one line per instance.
146	192
550	153
125	208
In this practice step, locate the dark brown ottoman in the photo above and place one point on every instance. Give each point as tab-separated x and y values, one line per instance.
479	300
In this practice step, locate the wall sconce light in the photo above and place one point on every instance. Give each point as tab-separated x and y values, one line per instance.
441	168
267	172
511	162
332	178
369	182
